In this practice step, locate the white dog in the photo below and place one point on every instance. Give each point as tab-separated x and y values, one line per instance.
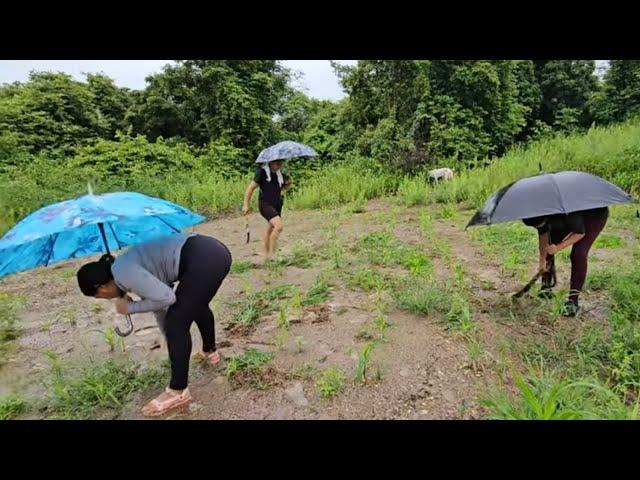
440	174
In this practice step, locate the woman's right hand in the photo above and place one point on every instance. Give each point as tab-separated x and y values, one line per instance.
245	209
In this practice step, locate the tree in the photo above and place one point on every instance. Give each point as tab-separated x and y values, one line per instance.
204	100
50	112
112	101
619	97
566	86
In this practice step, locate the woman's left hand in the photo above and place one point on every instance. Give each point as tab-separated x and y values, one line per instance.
552	249
122	305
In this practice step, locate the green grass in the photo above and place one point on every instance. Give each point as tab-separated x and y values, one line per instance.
414	259
356	206
447	211
459	316
377	247
546	396
331	383
318	291
611	152
252	306
10	306
241	266
421	296
340	184
66	273
249	366
414	191
608	241
625	293
600	279
97	390
595	374
11	406
364	278
302	256
304	372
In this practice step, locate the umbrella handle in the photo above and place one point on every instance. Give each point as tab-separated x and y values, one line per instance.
246	226
129	328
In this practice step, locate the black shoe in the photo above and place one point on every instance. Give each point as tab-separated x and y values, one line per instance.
545	293
570	308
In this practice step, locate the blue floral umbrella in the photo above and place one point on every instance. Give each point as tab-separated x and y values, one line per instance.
88	225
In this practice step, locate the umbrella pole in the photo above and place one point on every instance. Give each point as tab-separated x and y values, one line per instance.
104	237
128	317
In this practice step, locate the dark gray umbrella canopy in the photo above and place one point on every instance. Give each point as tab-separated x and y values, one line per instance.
549	194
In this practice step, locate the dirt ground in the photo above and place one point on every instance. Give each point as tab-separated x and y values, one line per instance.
425	370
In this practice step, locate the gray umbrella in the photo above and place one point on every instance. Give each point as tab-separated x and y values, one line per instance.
286	149
549	194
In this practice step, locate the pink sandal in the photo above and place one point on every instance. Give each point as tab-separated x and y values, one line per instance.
213	358
159	406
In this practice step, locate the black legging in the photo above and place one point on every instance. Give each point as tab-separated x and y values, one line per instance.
204	264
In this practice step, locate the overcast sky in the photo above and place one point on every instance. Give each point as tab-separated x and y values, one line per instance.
319	80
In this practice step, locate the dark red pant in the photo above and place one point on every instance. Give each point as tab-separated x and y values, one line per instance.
579	253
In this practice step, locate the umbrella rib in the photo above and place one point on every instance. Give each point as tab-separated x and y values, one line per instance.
54	237
555	184
167	223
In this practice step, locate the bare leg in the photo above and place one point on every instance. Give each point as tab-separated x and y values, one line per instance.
266	241
276	228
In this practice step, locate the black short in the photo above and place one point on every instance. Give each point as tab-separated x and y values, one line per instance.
269	211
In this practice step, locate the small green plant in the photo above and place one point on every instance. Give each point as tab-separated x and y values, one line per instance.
248	366
12	406
241	266
96	308
364	278
109	335
295	304
459	316
70	316
363	362
318	292
282	321
299	343
331	383
276	293
304	372
474	350
249	313
54	362
381	325
426	224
